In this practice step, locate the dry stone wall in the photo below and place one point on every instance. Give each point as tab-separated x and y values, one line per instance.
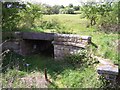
11	45
69	44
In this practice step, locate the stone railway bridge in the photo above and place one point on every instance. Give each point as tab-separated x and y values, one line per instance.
54	44
58	46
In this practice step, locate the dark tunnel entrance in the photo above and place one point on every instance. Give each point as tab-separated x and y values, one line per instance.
43	47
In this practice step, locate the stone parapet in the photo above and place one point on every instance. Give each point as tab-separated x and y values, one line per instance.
69	44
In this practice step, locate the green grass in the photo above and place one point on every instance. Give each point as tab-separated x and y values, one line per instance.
71	22
107	45
61	73
86	78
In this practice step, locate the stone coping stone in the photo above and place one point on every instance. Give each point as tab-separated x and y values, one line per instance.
107	69
50	36
56	35
36	35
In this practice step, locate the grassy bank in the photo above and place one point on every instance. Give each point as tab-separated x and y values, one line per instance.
61	73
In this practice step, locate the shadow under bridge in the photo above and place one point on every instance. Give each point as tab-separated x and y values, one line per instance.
37	43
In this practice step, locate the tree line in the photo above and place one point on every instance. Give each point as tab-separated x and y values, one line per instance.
17	14
60	9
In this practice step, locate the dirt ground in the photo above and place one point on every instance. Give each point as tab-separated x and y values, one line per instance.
37	81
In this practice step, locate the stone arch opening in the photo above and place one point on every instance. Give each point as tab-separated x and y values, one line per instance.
43	47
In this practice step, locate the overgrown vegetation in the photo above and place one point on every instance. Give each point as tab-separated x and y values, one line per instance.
103	41
31	13
81	59
29	16
18	15
74	71
62	74
104	15
10	16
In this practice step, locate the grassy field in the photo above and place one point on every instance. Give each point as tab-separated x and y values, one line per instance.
61	73
76	25
72	23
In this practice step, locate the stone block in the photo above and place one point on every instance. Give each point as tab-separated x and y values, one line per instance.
18	35
70	37
38	36
11	45
107	69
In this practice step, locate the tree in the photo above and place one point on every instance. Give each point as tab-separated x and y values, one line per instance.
118	12
70	10
63	11
47	9
108	13
31	13
76	8
62	6
66	10
55	9
10	16
70	5
90	12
